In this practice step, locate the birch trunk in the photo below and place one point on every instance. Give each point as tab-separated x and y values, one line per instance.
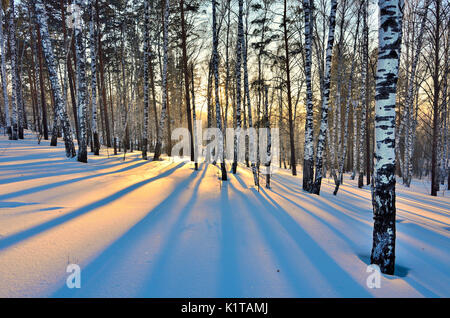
186	85
406	173
325	101
4	84
164	82
364	98
93	47
146	79
249	109
216	92
308	160
347	110
383	191
41	16
240	38
14	88
81	84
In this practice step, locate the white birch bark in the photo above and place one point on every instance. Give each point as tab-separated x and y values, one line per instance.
93	48
325	101
216	92
164	81
240	40
4	84
308	160
80	50
252	137
363	96
383	192
407	172
14	88
41	17
146	79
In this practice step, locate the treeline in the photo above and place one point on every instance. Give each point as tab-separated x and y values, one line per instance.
124	73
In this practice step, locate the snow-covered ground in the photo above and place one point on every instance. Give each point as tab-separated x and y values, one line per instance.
160	229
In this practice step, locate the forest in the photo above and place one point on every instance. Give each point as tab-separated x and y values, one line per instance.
315	133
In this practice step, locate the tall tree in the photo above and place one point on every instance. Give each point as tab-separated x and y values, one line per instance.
4	84
41	16
239	43
288	86
14	81
186	82
383	192
216	90
164	81
93	49
363	98
325	101
308	159
81	82
146	80
436	104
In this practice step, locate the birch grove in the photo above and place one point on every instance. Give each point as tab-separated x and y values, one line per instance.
350	96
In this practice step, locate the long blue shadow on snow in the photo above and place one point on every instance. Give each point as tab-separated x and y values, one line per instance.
103	265
18	237
323	262
154	283
55	168
47	186
229	278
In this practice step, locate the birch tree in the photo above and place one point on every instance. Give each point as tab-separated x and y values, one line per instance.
41	17
239	42
383	192
164	82
93	49
289	97
14	86
363	96
146	80
407	173
325	101
216	91
308	159
186	83
4	84
349	101
81	83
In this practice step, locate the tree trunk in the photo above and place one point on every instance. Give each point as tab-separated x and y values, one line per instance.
164	82
216	91
325	102
81	86
308	159
56	87
4	86
289	98
186	82
383	196
93	40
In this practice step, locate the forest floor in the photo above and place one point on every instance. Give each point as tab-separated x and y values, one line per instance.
161	229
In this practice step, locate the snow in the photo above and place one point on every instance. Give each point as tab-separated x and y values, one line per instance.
160	229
